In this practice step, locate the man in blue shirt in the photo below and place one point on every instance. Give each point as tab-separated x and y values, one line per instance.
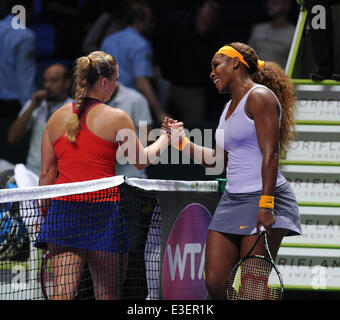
37	110
134	54
17	63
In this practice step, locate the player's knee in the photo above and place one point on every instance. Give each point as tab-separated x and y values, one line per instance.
213	282
64	292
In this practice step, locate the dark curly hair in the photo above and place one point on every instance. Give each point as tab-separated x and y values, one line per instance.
273	76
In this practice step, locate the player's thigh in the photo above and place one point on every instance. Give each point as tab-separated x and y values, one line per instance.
222	252
67	265
66	261
106	270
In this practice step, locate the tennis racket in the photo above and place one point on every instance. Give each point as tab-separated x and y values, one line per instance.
255	277
46	275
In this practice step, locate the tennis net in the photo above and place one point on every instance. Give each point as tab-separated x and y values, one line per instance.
97	239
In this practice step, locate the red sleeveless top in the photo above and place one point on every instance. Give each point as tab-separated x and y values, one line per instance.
90	157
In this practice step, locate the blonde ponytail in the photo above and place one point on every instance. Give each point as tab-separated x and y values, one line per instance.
80	86
88	70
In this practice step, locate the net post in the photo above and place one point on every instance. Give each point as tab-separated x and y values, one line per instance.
121	242
221	184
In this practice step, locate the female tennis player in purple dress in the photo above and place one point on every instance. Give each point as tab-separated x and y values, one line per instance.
256	124
80	143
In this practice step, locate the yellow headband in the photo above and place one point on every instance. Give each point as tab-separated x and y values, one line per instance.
232	53
260	64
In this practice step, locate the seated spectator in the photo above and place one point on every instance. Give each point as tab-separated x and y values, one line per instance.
272	40
17	63
134	54
137	107
37	110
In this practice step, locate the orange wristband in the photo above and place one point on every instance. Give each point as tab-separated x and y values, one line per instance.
266	202
180	145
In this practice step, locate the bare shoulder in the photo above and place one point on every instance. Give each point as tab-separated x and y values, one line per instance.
58	120
259	100
114	111
62	112
117	115
262	94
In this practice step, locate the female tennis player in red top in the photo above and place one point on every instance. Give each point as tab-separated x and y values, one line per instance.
79	143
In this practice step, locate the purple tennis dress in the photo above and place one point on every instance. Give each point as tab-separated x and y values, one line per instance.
237	210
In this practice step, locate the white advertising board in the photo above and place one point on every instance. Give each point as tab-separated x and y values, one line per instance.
318	110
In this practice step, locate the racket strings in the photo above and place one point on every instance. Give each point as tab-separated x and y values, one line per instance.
254	279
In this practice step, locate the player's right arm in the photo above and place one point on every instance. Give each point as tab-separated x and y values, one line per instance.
208	157
134	151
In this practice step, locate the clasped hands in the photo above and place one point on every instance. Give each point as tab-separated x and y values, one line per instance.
174	130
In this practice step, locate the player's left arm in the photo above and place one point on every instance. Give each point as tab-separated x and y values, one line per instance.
263	108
